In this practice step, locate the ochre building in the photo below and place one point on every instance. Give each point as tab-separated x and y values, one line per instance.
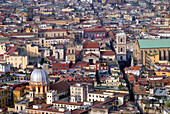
143	47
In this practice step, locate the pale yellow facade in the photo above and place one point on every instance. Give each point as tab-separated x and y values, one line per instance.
18	61
56	33
32	50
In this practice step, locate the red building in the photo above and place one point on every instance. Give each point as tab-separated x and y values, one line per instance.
78	79
96	33
61	66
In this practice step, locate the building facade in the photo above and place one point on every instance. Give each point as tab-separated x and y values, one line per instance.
71	53
17	61
144	47
32	50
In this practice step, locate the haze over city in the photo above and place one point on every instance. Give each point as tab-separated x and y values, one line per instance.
85	56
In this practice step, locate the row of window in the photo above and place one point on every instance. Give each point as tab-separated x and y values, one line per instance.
82	79
62	105
94	34
51	35
16	59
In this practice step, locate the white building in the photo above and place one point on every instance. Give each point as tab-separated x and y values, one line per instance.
4	68
134	70
112	81
71	105
51	96
78	92
58	52
98	96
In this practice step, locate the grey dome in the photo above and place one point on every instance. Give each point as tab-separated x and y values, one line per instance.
39	75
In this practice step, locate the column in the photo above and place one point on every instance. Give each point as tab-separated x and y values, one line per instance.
45	88
144	57
167	57
162	54
36	92
41	90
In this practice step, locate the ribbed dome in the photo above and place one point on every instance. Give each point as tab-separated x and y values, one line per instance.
39	75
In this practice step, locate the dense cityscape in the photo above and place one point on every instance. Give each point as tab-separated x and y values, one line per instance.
85	56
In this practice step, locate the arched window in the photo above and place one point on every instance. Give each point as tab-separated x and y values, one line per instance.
72	50
121	58
121	49
69	51
121	40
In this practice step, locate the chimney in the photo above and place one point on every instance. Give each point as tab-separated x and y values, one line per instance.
61	109
37	106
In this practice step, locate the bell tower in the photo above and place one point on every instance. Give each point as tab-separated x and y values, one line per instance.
120	47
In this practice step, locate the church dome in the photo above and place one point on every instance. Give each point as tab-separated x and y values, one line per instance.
39	76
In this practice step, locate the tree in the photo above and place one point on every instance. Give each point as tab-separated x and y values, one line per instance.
168	103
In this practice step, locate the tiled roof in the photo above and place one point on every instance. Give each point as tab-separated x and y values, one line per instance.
18	88
11	50
68	103
51	30
52	58
60	86
90	54
107	53
133	68
79	111
90	45
131	78
45	108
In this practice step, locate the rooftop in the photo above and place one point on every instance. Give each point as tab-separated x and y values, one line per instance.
154	43
90	45
68	103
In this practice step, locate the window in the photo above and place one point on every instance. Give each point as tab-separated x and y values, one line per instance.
121	58
121	40
121	49
164	54
160	55
38	89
